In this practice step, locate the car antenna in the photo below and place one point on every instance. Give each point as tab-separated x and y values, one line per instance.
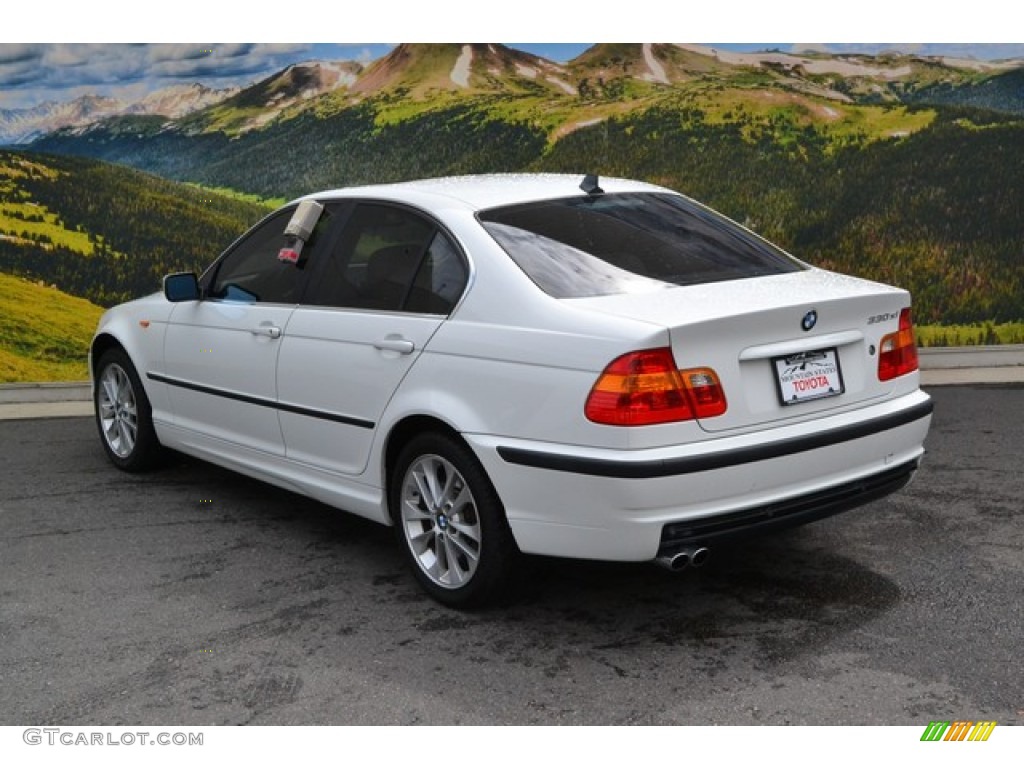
590	185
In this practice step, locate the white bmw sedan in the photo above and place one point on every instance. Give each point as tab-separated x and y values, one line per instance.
499	365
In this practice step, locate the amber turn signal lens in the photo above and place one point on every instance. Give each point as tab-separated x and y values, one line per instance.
645	387
898	351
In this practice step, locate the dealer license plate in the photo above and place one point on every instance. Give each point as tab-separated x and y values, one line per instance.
808	376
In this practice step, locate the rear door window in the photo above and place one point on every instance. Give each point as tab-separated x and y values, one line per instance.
628	243
390	258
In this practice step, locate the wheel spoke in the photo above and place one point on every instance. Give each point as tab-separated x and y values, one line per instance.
460	543
420	539
456	575
444	495
461	500
440	562
109	389
129	432
465	531
412	510
425	491
120	385
430	475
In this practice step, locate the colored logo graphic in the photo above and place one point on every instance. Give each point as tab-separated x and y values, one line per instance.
960	730
813	361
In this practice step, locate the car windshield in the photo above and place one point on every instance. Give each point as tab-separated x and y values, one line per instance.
628	243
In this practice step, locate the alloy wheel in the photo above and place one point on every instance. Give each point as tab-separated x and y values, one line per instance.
118	411
440	521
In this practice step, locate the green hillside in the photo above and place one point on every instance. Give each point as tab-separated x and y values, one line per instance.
44	333
108	233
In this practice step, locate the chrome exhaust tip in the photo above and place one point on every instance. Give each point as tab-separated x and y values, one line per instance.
674	561
681	558
699	556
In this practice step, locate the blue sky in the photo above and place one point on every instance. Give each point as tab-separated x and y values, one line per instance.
33	73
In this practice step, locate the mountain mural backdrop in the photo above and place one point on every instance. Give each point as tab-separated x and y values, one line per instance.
906	169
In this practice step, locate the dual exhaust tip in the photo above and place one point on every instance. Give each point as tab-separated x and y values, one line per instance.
679	559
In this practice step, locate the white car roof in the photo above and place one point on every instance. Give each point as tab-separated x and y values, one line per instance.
484	191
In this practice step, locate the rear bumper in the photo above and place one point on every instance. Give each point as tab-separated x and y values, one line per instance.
786	513
574	501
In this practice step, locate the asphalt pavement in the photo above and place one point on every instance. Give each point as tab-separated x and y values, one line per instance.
196	596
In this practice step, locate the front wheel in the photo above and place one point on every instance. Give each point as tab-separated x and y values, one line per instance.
450	522
123	414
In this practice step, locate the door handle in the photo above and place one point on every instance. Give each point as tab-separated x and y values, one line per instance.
395	344
267	330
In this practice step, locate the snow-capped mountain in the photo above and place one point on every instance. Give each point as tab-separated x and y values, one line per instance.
22	126
179	100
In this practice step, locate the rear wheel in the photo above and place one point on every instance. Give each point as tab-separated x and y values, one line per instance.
123	415
450	522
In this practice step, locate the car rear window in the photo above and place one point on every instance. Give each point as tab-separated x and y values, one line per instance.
628	243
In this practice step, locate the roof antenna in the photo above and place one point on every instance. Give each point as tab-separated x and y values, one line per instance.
590	185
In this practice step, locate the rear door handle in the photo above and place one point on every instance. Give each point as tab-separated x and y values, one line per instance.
267	330
395	344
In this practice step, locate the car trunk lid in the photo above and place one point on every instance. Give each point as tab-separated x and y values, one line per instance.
786	347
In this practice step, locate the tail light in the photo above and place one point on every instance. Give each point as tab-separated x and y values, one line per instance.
898	351
645	387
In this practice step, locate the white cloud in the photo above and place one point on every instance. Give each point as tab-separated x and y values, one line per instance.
981	51
32	73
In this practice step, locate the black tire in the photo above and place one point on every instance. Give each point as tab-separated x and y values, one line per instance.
124	418
439	538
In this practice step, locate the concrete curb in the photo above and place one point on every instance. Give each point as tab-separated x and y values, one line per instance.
940	366
943	358
11	411
46	392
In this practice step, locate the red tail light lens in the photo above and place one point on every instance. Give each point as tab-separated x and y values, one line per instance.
897	352
645	387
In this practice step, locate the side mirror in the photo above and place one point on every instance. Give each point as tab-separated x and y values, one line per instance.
181	286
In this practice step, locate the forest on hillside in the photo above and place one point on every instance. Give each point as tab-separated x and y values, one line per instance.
136	227
309	153
937	210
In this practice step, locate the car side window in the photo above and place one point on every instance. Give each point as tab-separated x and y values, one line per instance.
393	259
440	280
251	272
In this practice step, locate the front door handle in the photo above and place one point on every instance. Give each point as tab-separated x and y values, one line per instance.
395	344
267	330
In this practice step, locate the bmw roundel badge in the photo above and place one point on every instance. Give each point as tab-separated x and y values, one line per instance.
810	320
